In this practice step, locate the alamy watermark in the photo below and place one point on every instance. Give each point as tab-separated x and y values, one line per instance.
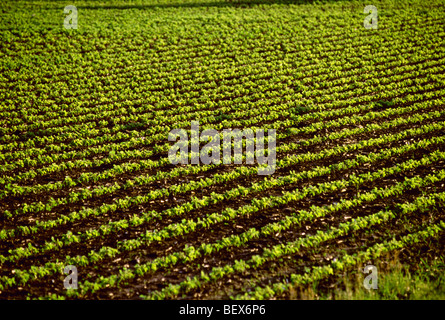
70	21
210	153
70	282
370	282
371	21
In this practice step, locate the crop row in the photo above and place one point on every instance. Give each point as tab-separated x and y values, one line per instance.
118	111
212	52
347	261
190	225
87	193
258	72
160	136
135	140
290	160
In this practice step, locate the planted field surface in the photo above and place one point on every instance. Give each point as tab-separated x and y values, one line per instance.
85	115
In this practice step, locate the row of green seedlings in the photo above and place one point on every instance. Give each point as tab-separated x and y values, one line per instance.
173	66
288	161
146	179
119	225
205	249
132	143
53	159
346	262
116	226
127	81
163	65
188	226
95	113
67	129
163	72
67	132
189	253
192	49
53	202
90	142
112	147
315	41
240	49
278	251
122	155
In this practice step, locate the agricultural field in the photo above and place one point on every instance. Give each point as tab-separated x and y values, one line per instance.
87	187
